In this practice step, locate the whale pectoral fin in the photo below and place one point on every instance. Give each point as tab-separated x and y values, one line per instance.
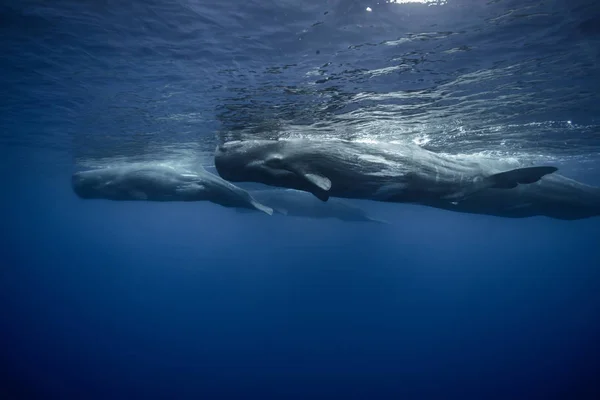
319	181
320	184
261	207
510	179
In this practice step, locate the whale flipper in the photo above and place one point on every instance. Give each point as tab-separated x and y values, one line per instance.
319	181
510	179
503	180
261	207
322	185
319	184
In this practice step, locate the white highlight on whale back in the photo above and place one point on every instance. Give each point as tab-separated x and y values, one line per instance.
183	160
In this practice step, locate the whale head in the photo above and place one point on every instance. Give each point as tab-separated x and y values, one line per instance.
92	184
252	161
280	163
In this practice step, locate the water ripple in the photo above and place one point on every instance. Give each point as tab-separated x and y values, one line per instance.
146	79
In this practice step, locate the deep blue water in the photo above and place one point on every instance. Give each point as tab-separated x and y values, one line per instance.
123	300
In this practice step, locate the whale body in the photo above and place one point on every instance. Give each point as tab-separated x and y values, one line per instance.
298	203
406	174
161	183
553	196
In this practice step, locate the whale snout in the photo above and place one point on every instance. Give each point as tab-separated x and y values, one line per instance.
230	159
228	151
84	185
78	184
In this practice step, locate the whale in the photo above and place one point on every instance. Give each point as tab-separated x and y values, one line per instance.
298	203
161	183
554	196
365	170
406	173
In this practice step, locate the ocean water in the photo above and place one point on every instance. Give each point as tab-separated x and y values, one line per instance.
141	300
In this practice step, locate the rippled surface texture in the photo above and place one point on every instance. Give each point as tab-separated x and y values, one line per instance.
147	79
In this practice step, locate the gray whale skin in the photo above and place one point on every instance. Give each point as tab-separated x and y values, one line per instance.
407	174
161	183
298	203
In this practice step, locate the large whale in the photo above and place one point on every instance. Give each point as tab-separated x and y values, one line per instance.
553	196
298	203
161	183
406	174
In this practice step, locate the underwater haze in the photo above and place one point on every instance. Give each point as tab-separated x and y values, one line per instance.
105	299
